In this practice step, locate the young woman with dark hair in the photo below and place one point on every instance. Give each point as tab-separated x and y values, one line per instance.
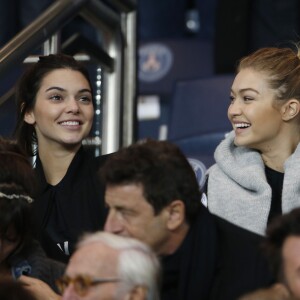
55	114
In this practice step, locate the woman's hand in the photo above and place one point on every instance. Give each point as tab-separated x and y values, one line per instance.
39	289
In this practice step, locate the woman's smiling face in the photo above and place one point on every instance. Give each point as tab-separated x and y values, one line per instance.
63	111
255	118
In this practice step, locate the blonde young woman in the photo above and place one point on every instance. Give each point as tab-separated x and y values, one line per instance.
257	172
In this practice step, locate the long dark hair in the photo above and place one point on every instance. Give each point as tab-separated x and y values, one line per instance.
17	189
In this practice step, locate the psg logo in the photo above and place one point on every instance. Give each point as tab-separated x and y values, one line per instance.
199	169
155	61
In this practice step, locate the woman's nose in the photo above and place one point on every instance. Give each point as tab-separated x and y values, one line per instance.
72	106
234	109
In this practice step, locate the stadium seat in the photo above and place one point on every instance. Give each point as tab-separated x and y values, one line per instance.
198	118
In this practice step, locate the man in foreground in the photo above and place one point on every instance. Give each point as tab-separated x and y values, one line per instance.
105	266
153	195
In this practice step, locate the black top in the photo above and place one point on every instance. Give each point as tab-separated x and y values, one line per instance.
189	273
275	180
62	213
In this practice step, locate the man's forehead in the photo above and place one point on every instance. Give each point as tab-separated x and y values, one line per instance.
129	198
95	259
124	193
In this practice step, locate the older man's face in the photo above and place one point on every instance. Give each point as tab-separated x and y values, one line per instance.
95	261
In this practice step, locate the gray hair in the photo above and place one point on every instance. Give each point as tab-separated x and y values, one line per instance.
137	263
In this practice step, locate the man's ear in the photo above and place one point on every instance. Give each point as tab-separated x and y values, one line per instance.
290	109
138	293
29	117
176	214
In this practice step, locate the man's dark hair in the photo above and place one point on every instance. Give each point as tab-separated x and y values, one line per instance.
161	169
277	232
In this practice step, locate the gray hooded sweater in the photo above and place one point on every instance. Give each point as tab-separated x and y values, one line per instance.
238	190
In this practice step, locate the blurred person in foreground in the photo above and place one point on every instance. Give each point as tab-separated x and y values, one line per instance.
20	253
105	266
282	247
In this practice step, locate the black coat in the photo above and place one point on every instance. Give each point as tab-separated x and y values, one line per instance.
62	213
242	265
189	273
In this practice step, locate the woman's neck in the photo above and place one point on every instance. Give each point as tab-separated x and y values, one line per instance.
56	162
275	158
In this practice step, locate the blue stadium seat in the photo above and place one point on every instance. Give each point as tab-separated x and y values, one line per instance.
161	64
198	119
176	59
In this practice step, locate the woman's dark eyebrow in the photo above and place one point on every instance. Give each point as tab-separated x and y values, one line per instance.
55	88
63	90
85	90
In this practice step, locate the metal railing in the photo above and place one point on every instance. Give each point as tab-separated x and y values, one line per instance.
117	23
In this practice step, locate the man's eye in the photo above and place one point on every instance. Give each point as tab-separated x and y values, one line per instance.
127	213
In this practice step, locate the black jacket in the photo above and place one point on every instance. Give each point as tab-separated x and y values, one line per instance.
62	213
189	273
242	266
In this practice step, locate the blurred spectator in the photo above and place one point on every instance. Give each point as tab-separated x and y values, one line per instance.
19	252
105	266
283	250
14	290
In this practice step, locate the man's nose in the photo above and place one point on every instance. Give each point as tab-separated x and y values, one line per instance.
113	224
69	293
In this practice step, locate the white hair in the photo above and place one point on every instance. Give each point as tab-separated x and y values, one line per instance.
137	263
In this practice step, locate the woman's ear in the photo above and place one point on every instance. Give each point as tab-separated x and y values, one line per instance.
290	109
176	214
29	117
